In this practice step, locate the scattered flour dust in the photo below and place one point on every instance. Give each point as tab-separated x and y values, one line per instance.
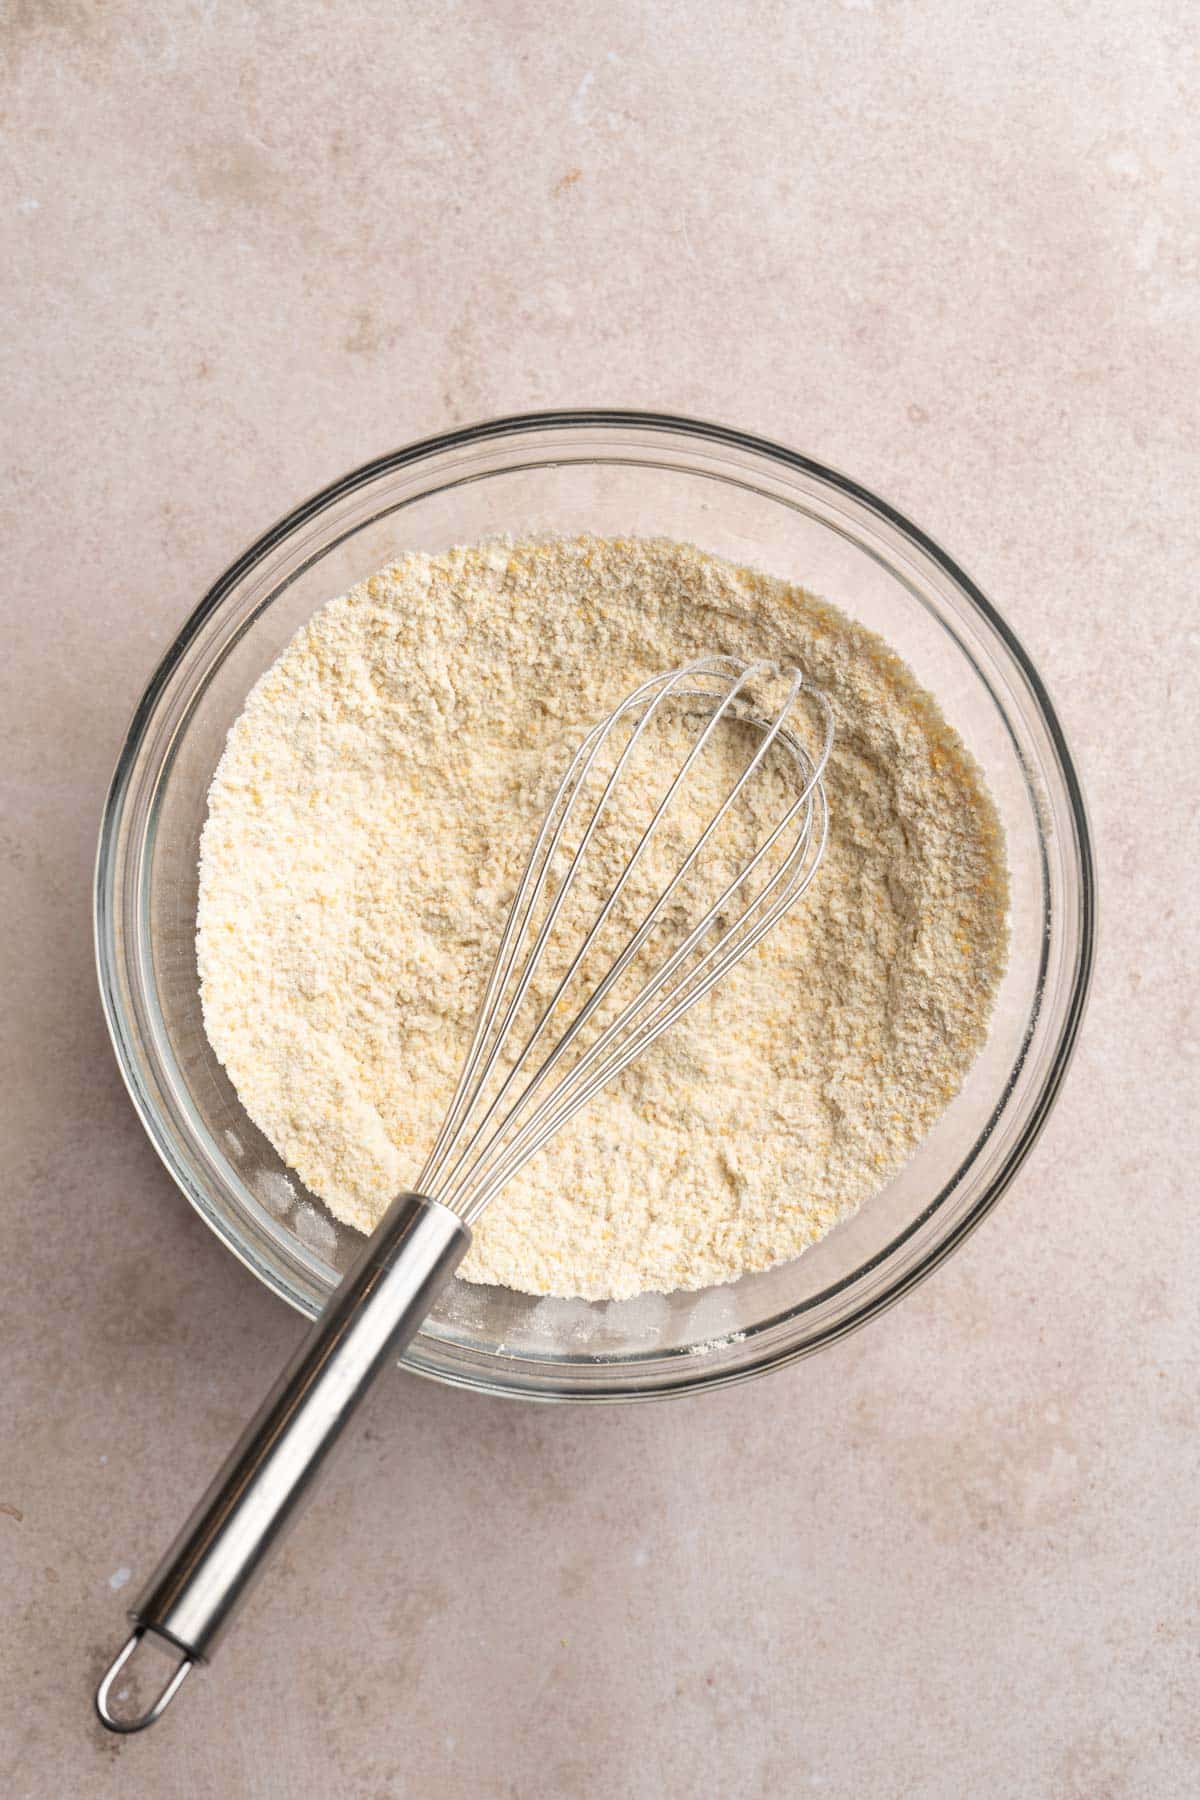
366	827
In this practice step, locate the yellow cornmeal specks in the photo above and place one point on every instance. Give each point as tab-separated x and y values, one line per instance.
366	827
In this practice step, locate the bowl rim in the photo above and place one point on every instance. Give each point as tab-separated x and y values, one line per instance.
712	434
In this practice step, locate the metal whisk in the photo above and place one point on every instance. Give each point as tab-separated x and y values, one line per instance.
549	1034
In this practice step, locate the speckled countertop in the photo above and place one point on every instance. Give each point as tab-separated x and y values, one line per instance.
951	248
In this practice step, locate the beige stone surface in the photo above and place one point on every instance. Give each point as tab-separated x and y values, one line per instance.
947	246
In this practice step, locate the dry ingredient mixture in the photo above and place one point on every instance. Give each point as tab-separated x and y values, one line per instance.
368	823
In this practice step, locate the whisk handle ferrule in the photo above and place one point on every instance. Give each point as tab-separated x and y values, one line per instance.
374	1313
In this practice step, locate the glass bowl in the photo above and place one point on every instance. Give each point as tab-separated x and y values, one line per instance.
607	473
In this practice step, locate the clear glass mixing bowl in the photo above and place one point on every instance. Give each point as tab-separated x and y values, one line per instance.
606	473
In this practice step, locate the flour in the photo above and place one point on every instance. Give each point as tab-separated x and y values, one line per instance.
368	822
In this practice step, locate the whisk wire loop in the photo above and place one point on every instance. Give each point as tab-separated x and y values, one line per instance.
487	1137
670	687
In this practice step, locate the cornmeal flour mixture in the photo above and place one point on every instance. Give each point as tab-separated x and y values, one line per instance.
370	818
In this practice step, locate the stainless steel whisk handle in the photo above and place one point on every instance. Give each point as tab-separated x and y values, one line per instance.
374	1313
